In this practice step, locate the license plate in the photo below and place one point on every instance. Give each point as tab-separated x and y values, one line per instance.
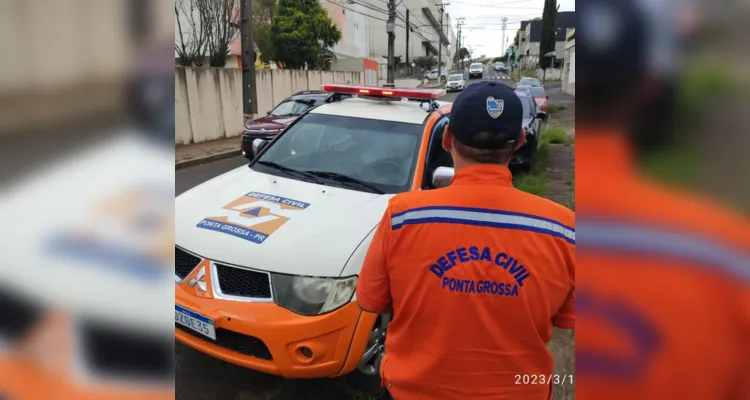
195	321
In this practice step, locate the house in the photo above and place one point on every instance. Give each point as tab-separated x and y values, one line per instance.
569	64
530	38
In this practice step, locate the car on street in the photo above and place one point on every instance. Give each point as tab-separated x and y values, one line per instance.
528	81
539	95
476	70
499	67
280	117
433	74
455	82
267	255
533	122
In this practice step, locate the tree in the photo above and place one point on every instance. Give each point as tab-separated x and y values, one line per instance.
191	41
205	29
547	44
263	12
499	59
425	62
300	30
220	21
464	53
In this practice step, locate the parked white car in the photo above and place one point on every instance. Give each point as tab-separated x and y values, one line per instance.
433	75
455	82
476	70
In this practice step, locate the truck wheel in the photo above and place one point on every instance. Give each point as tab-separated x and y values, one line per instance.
366	377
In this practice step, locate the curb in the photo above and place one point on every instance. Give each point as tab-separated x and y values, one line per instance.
207	159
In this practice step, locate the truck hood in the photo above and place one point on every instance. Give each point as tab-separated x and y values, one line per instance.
275	224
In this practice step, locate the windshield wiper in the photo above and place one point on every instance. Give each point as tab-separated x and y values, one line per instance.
289	171
334	176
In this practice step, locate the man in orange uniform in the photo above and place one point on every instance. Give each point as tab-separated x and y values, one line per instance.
662	275
475	274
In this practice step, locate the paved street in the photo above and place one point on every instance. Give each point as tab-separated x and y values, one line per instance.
200	377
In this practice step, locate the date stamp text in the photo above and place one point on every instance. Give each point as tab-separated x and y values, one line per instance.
541	379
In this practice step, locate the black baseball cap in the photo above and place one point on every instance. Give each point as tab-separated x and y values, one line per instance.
486	106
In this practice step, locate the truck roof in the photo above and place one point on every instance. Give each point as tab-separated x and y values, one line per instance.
398	111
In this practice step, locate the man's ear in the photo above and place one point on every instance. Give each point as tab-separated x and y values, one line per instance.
521	139
447	139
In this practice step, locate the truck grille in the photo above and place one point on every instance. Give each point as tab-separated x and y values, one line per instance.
243	282
124	353
19	316
237	342
184	262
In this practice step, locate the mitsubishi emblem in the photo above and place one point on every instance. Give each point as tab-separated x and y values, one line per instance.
199	280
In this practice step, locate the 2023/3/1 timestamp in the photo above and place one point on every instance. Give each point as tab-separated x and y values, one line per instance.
541	379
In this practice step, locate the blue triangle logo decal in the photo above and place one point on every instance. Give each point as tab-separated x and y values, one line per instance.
254	212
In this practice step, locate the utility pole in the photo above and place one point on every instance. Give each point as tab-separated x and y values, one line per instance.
505	26
249	95
391	30
459	45
440	39
408	27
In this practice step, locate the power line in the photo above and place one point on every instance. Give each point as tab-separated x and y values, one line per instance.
384	12
370	6
356	12
414	29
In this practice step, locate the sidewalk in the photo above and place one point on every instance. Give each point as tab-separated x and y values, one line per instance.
402	83
431	85
199	153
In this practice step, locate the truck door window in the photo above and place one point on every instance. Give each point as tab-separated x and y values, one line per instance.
436	155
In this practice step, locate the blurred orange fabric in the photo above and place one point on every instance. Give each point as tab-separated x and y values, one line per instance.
662	285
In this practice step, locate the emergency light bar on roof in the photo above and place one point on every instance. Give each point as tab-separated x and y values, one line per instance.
386	92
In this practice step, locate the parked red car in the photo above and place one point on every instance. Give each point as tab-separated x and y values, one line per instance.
280	117
539	95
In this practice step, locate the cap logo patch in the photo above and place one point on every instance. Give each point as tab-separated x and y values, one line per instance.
495	107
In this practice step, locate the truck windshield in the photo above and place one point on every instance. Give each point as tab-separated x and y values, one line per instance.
381	154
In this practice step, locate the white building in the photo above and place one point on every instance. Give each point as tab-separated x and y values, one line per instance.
351	19
569	66
363	29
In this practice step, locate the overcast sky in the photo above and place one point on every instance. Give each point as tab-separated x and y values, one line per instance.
482	30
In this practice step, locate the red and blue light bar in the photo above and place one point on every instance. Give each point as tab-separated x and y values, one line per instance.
411	94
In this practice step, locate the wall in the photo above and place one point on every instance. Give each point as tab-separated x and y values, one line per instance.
64	60
368	67
208	101
553	74
569	65
569	72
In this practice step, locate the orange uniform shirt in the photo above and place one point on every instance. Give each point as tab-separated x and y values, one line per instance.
662	286
476	274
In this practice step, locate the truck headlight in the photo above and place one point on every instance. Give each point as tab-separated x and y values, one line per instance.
312	296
